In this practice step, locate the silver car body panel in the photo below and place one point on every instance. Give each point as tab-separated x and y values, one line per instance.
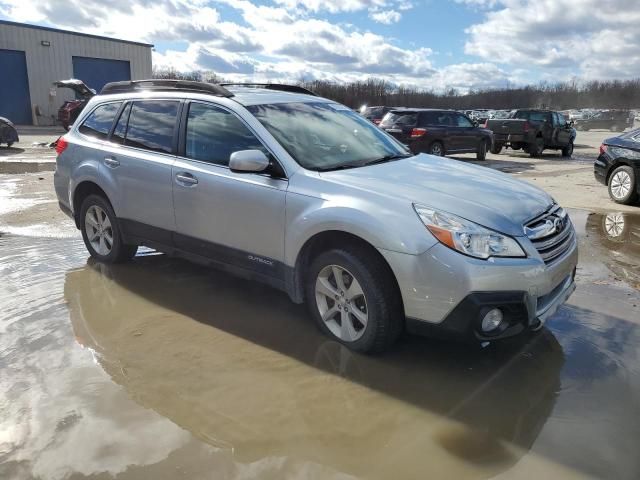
271	219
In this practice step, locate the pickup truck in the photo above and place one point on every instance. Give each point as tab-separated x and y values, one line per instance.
533	131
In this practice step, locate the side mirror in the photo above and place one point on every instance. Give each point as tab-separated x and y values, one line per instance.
248	161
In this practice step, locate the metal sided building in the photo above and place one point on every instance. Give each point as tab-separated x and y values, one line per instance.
33	57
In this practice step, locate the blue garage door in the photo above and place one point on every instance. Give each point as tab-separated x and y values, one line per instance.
96	72
15	102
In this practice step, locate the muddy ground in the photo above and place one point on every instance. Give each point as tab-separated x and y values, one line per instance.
162	369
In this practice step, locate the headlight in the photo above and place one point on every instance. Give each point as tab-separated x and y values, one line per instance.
467	237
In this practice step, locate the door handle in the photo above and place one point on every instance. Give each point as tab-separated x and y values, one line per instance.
111	162
186	179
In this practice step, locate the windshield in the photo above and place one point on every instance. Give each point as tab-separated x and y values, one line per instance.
326	136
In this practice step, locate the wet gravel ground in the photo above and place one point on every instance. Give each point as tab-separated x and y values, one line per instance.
162	369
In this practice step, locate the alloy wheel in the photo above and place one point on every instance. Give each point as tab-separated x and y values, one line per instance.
99	230
436	150
620	184
341	303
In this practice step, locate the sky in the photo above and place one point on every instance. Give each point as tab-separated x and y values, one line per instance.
432	44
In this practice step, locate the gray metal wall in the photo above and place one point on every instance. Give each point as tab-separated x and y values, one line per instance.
45	65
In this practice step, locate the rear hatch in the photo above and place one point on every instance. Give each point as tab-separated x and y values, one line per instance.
400	124
78	86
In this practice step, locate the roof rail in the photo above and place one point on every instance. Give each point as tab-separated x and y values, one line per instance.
165	85
272	86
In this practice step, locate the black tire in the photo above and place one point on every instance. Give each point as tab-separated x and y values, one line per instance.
383	303
568	150
437	149
481	154
535	149
9	144
119	252
632	195
496	148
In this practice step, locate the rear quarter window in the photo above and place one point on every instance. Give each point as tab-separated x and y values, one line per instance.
98	123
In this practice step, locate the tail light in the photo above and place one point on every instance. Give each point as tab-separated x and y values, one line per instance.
61	145
603	148
418	132
526	127
377	121
486	123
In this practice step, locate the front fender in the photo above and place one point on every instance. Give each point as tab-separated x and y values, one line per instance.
394	227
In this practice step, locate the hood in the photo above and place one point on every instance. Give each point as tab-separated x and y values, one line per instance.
77	86
484	196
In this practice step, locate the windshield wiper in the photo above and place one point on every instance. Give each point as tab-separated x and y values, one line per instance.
387	158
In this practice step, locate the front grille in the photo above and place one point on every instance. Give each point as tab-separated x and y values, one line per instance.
551	233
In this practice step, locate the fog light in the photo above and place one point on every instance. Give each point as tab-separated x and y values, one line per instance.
492	320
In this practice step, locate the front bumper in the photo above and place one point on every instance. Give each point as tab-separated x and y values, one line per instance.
447	293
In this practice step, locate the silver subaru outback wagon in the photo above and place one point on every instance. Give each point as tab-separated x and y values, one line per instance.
278	185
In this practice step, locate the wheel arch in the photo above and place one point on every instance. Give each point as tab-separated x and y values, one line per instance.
618	163
82	191
325	241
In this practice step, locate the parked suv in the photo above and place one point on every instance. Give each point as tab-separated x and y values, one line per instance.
304	194
438	132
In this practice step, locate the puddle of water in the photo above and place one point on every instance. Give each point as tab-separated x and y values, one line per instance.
160	366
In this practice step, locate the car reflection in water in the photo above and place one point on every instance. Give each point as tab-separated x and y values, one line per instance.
243	369
618	235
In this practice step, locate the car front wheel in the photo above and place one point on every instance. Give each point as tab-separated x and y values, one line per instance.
354	300
101	232
568	150
622	185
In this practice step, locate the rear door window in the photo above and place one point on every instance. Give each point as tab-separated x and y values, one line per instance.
213	134
152	125
98	123
400	119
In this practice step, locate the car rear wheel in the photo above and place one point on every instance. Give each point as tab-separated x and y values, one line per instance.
354	300
436	149
536	148
622	185
496	148
101	232
481	154
568	150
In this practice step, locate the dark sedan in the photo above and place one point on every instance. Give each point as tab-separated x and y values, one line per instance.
438	132
618	167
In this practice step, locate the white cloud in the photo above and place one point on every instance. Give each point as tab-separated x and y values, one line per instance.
274	42
386	16
563	38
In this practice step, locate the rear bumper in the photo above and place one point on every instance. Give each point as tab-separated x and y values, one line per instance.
446	293
510	138
600	169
